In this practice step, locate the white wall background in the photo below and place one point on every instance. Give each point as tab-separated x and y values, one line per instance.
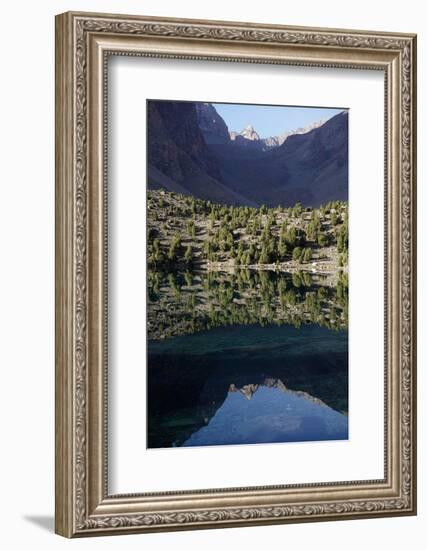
27	273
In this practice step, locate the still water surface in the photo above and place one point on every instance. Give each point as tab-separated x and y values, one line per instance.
243	384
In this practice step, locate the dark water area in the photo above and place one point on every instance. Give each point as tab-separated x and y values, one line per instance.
244	384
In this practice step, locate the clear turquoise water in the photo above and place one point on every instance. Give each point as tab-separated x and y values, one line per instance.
248	384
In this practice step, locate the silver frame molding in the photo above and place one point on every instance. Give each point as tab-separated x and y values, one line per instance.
83	43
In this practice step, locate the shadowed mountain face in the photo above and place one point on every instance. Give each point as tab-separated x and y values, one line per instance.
311	168
190	151
179	159
211	124
316	161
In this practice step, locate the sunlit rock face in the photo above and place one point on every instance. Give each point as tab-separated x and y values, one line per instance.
249	133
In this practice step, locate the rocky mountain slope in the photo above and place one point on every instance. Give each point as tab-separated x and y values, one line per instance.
184	233
179	158
213	127
191	151
249	137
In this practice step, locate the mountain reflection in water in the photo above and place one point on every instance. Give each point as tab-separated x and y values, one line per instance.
245	360
273	415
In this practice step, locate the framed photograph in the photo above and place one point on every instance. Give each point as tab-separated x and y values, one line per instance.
235	274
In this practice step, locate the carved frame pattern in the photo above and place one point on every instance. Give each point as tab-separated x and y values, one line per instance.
75	513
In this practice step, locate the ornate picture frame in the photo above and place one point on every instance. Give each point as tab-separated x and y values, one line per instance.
84	42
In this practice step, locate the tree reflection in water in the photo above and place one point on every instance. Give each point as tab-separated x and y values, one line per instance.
246	357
